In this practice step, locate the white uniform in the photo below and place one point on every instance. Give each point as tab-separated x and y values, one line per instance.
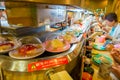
116	33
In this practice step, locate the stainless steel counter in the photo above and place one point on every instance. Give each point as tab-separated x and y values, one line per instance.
23	69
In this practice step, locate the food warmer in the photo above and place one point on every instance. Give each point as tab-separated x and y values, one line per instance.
40	67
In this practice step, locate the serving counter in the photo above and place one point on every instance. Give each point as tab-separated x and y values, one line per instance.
40	67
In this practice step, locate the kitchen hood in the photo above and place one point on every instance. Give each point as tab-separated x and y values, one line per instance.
86	4
58	2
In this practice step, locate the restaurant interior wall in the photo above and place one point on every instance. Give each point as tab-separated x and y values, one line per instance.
94	4
109	6
116	8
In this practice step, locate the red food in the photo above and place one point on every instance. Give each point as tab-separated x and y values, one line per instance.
25	48
86	76
3	44
6	46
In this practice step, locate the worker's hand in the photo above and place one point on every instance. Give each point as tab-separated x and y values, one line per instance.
107	36
105	29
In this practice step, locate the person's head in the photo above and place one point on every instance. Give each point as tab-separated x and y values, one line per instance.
111	19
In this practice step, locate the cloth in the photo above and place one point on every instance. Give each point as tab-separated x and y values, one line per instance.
115	32
112	31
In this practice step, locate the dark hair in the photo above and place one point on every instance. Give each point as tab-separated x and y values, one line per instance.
111	17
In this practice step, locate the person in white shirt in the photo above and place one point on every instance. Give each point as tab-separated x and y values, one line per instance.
111	20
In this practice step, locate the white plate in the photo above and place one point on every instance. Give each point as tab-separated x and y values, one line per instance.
15	52
16	45
73	39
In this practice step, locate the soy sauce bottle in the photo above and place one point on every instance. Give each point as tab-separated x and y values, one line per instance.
88	48
87	66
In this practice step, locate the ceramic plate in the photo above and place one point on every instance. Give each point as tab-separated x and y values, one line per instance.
5	47
38	51
49	48
97	58
71	40
99	47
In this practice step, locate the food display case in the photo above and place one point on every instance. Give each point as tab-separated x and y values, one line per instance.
37	68
42	66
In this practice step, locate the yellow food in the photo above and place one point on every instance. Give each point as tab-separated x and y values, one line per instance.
56	44
5	47
31	52
68	38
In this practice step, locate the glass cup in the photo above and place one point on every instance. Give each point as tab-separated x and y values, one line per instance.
104	69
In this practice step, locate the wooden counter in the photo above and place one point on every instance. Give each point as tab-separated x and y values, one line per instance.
96	68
